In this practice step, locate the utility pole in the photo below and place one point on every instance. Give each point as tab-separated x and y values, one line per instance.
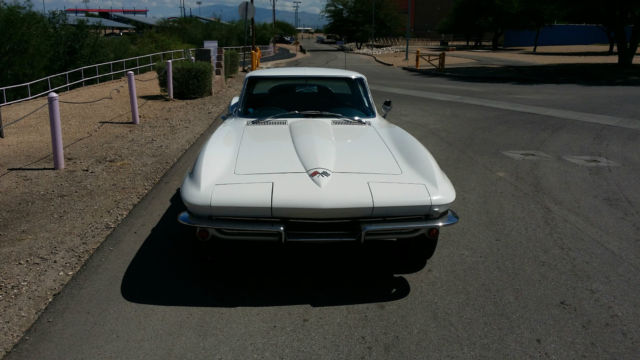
273	7
406	51
199	3
296	5
253	31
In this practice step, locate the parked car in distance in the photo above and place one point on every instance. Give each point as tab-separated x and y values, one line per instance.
304	156
331	39
281	39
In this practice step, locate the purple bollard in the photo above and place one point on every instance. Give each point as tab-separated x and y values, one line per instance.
56	131
170	79
135	118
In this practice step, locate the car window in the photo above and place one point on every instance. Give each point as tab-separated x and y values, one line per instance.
267	96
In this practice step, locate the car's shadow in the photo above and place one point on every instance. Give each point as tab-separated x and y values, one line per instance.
168	271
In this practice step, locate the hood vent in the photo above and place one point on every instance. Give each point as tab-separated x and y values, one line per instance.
267	123
347	122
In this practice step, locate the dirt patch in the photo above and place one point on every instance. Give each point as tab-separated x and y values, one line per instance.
54	220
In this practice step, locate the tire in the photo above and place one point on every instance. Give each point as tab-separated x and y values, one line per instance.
412	253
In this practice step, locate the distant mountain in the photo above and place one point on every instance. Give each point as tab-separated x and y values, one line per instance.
230	13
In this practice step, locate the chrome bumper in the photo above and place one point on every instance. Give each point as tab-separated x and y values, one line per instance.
232	229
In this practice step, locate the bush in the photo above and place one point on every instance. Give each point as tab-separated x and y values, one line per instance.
190	80
231	63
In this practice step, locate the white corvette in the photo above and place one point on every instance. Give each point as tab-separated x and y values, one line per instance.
305	157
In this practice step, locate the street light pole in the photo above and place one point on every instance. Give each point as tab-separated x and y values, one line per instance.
296	4
406	51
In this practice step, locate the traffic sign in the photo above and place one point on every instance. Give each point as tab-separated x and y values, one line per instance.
246	9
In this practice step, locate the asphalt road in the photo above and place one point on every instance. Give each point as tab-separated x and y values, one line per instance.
544	263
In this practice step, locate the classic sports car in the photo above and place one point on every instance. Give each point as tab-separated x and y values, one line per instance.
304	156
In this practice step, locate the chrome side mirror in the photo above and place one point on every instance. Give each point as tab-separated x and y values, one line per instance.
234	104
386	107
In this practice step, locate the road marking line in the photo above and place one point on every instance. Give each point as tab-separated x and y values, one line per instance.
532	109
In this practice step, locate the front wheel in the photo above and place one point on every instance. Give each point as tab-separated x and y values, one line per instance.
412	253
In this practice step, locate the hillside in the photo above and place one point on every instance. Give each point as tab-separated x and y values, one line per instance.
230	13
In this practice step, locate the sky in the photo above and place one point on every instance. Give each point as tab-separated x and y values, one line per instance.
161	8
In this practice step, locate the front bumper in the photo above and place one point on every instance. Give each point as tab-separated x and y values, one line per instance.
317	231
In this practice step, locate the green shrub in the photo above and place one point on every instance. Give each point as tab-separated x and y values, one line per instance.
190	80
231	63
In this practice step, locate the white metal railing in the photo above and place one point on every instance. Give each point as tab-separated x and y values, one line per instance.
87	73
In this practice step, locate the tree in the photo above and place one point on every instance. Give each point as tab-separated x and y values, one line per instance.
619	18
351	19
465	19
535	14
25	43
477	17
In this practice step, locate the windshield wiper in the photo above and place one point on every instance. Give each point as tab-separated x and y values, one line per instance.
310	113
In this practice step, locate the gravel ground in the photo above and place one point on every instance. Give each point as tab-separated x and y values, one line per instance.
54	220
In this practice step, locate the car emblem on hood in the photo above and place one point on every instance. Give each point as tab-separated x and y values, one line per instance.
323	173
319	176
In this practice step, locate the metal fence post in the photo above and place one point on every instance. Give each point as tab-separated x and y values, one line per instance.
56	131
135	118
170	79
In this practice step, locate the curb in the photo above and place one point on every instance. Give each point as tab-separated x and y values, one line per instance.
380	61
375	58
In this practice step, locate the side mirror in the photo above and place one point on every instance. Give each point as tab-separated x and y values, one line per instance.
234	104
386	107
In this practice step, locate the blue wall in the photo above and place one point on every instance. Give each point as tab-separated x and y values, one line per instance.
557	35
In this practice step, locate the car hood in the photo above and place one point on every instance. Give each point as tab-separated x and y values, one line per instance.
313	146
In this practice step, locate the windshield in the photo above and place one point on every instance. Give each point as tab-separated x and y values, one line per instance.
269	96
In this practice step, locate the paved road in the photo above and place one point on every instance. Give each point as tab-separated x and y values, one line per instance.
544	263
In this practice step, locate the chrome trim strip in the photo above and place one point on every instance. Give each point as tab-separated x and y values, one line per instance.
398	229
188	219
448	219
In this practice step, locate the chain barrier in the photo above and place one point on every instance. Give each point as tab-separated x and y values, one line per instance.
24	117
145	80
110	97
164	71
